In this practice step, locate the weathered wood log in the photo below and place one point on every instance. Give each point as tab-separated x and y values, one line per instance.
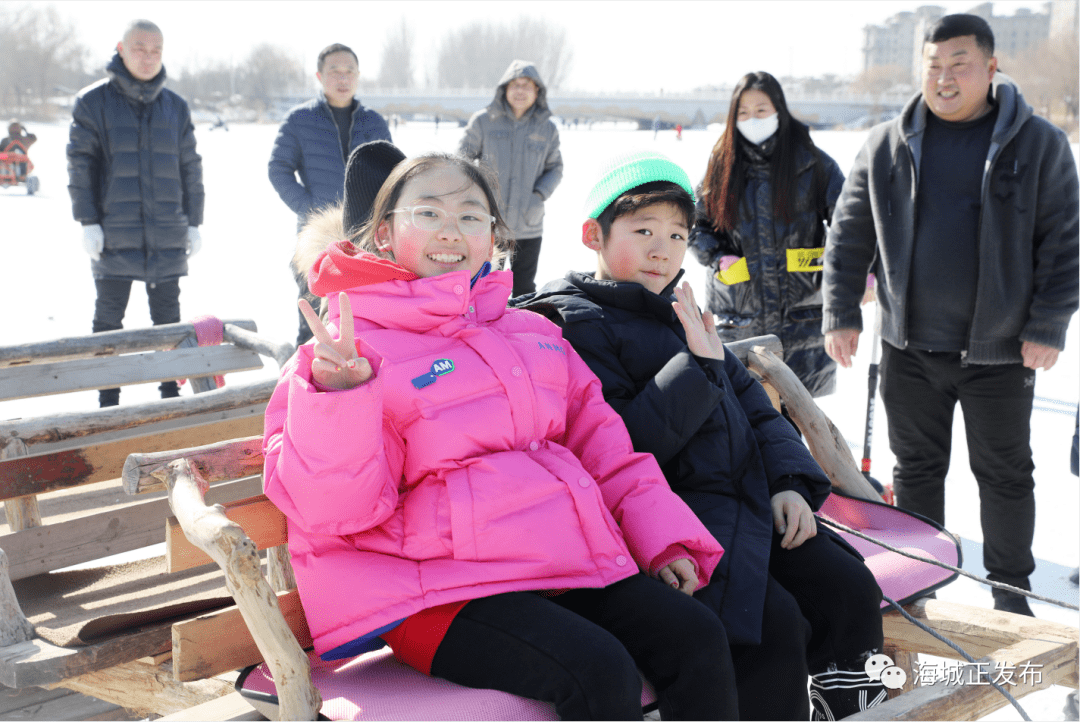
41	473
58	427
146	689
227	544
14	626
106	343
280	352
263	523
215	462
22	510
826	442
279	569
742	349
230	707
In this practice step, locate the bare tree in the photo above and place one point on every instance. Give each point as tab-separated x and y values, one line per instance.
881	78
476	55
268	73
40	56
1049	77
396	69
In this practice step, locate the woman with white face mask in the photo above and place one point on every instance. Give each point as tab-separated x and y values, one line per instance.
767	194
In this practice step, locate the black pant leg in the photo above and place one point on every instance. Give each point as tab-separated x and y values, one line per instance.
996	403
919	399
527	645
838	596
772	676
678	643
164	299
304	334
109	308
524	263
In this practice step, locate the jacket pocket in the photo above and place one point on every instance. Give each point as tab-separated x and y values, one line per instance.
534	215
427	532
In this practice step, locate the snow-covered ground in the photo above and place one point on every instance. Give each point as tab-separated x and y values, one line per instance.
46	292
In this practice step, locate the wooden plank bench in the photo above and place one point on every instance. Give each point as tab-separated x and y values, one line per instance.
268	622
59	481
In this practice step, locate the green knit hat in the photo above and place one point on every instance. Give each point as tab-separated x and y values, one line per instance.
630	170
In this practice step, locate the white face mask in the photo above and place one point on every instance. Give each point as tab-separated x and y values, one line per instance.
758	130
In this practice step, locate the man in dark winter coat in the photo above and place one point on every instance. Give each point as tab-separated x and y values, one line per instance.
965	209
516	137
136	185
307	164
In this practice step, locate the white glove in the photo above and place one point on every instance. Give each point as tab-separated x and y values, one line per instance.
194	240
93	239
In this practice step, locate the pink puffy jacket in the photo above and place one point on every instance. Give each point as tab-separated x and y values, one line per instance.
480	459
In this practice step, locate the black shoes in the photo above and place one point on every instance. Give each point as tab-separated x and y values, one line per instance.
1007	601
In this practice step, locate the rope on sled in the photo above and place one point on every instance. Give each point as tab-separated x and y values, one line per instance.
943	565
960	651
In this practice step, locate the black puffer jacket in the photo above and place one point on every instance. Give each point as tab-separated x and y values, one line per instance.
722	446
133	169
783	293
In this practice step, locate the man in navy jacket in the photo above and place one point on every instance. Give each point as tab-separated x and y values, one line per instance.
307	165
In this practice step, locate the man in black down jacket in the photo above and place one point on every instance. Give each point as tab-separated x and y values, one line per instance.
314	144
136	185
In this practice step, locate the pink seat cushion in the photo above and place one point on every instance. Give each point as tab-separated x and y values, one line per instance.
375	686
901	578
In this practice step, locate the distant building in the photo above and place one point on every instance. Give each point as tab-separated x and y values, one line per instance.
898	42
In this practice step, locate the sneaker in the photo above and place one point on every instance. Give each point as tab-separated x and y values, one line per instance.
1006	601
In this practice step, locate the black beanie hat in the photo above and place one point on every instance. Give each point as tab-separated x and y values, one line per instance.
368	167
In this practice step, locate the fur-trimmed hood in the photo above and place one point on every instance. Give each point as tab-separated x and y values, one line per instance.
323	227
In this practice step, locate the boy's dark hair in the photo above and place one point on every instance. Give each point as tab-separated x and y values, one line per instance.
643	196
959	25
335	48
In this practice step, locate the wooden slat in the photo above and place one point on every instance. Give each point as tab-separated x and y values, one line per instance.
147	689
214	462
106	343
22	476
56	428
55	546
220	641
20	382
1054	661
230	707
977	630
37	663
261	521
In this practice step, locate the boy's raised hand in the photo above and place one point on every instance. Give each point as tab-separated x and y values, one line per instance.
336	363
700	329
793	518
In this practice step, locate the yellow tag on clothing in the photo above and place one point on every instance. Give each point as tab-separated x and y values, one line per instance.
735	273
804	260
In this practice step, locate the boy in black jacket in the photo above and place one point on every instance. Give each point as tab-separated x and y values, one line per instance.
794	602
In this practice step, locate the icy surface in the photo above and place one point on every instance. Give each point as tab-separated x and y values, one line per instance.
46	292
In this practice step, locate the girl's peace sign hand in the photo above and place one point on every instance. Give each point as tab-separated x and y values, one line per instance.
700	328
336	362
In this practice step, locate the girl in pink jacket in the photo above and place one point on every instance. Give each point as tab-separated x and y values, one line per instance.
457	487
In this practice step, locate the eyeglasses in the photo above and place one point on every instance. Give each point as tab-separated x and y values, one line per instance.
430	218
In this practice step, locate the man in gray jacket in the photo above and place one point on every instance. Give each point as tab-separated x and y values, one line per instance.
965	209
516	137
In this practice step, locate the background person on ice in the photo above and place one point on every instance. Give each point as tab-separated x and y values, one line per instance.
136	185
516	137
794	602
18	140
760	229
965	209
307	163
452	478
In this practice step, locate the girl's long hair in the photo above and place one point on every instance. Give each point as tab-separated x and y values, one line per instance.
722	189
